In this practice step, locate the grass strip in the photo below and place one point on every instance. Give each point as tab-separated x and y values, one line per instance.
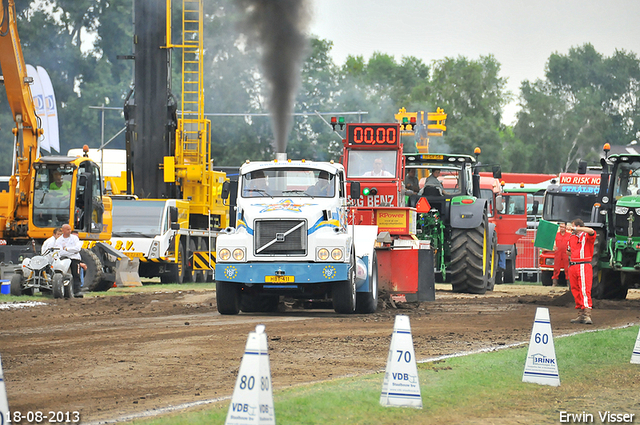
595	375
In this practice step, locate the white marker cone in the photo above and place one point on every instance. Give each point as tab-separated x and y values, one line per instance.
541	366
252	401
4	403
401	386
635	355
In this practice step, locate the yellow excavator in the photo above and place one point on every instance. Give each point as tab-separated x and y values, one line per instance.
46	192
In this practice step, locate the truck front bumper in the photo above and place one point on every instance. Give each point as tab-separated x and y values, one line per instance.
281	274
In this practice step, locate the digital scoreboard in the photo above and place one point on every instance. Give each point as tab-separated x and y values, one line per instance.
373	134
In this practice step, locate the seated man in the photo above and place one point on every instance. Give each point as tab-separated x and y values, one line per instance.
378	170
60	186
411	181
322	186
433	182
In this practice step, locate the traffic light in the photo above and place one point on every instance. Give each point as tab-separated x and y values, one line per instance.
335	121
407	121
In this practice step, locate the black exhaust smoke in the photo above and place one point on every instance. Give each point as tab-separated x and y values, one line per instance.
279	27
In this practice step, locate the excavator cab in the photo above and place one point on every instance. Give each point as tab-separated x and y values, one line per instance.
68	190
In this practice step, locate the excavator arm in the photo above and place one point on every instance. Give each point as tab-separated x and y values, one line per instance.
26	131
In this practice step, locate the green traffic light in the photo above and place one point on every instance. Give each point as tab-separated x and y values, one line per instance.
366	191
341	120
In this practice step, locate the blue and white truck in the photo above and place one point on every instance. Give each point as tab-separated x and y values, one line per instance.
292	238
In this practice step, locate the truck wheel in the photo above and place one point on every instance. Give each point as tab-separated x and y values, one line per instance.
468	265
259	303
367	302
546	278
510	271
344	293
178	271
94	275
57	285
492	262
15	287
228	297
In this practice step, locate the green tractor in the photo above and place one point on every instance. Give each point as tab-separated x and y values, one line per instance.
455	219
617	211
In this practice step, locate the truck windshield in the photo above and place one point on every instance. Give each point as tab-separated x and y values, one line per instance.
288	182
372	164
133	217
52	196
567	208
627	179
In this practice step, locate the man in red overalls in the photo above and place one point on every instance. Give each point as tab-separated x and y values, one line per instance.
581	243
561	257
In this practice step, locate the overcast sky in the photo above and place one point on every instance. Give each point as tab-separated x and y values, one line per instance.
521	35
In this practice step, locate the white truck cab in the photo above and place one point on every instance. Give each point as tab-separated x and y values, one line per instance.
292	239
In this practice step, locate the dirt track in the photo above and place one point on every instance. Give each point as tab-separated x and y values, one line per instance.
113	356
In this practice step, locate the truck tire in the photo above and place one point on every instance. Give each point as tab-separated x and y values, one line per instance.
546	278
93	276
367	302
509	275
177	272
57	285
344	292
259	303
492	262
15	287
468	265
228	297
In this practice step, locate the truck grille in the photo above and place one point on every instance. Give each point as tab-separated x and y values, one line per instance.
277	237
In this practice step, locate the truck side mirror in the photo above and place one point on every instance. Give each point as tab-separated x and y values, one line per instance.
355	190
534	210
225	189
173	217
497	172
499	203
582	167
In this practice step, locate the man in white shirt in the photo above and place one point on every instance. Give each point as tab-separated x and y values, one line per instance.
70	247
51	242
378	170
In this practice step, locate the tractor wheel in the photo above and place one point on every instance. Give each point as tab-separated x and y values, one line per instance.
367	302
259	303
228	297
344	293
468	266
57	284
546	278
15	287
492	262
609	285
94	276
602	279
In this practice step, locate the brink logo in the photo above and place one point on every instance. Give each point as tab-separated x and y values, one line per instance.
540	359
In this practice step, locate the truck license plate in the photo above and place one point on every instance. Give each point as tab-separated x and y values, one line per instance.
279	279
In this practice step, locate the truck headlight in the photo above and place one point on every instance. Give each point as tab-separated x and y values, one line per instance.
323	254
621	210
224	254
238	254
336	254
638	211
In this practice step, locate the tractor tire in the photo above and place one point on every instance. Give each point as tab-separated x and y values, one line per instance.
367	302
15	287
344	292
468	265
94	276
492	263
259	303
57	285
602	279
546	278
608	285
228	298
